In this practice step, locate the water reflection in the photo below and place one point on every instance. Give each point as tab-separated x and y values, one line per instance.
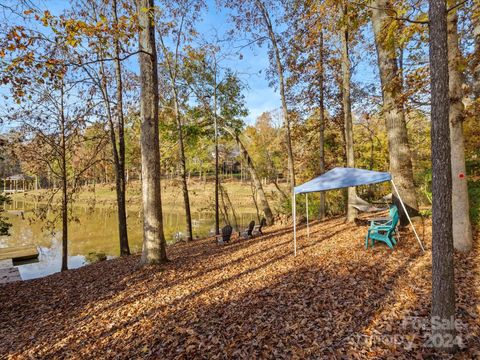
49	261
95	232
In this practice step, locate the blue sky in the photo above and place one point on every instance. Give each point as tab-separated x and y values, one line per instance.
254	63
251	67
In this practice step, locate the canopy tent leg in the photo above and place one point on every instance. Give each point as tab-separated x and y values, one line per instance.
408	216
308	227
294	209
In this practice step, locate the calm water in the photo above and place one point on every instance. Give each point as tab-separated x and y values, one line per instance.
95	232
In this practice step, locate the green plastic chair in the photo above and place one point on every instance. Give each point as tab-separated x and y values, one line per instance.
386	220
383	230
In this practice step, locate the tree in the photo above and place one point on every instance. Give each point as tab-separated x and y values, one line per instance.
475	13
281	83
265	148
393	105
443	281
462	230
86	21
153	237
54	122
307	60
253	173
321	117
255	15
107	32
220	102
322	37
347	104
202	73
4	224
121	187
53	109
174	27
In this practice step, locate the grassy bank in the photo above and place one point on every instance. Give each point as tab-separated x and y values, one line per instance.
202	195
474	195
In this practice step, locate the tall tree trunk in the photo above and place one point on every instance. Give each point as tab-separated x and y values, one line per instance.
254	199
321	120
347	109
153	237
274	179
255	179
215	127
462	229
443	288
281	82
393	108
63	146
225	207
120	164
280	191
183	167
102	83
476	58
172	70
230	205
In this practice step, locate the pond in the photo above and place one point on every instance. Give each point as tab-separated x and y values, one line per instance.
93	235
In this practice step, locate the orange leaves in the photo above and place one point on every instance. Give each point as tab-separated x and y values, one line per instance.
39	55
46	18
249	299
9	47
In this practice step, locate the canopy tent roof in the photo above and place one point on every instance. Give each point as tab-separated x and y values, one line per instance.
340	177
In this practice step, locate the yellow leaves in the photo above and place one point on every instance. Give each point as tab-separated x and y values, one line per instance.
422	17
19	93
193	32
45	19
51	63
72	41
16	34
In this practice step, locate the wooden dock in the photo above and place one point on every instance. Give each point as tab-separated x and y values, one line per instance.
9	272
19	253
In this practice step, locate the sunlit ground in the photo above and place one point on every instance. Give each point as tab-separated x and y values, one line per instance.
251	298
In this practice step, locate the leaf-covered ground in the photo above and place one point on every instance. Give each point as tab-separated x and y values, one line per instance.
250	299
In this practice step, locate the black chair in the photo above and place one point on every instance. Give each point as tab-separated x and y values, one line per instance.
258	228
225	236
248	232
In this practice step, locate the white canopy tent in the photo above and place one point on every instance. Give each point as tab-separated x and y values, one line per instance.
339	178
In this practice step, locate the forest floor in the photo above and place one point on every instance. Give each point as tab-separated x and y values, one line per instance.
249	299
